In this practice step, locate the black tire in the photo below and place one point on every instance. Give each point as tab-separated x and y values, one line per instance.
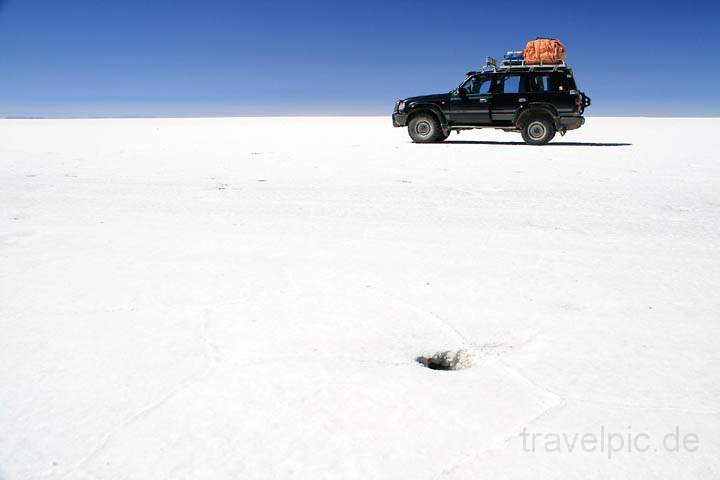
425	128
538	131
444	136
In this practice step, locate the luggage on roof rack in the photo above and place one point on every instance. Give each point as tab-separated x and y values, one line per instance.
514	55
546	51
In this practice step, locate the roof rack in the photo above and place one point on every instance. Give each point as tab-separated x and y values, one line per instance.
492	66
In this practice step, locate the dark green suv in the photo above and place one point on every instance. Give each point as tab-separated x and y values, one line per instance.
535	100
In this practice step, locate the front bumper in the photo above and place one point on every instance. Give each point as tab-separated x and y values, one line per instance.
399	119
571	123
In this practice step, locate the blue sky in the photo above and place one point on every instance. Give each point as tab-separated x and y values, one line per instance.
221	57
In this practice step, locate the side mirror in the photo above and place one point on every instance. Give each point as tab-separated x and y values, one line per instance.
462	91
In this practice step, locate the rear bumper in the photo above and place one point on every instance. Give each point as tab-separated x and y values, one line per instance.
399	119
571	123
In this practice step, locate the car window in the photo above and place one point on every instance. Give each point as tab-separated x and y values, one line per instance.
509	84
539	83
478	85
561	82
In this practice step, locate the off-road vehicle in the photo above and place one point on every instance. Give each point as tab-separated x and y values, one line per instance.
535	100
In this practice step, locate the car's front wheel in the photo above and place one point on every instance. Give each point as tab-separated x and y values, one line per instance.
538	131
425	128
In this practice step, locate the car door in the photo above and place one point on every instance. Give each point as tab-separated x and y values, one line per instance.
508	96
470	103
554	88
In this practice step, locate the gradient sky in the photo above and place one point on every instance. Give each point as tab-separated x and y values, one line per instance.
222	57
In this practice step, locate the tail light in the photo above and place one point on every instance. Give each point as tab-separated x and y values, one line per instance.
578	103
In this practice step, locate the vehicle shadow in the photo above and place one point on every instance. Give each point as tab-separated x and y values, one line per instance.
551	144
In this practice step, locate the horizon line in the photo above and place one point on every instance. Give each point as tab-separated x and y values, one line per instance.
308	115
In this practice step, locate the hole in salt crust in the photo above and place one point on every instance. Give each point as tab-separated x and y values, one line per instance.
447	360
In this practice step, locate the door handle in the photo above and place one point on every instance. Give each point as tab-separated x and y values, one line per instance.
521	100
482	100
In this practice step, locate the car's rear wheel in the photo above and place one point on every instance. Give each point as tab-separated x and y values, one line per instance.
538	131
425	128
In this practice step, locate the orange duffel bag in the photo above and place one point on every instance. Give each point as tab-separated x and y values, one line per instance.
544	50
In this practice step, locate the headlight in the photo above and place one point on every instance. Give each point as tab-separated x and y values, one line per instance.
401	105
